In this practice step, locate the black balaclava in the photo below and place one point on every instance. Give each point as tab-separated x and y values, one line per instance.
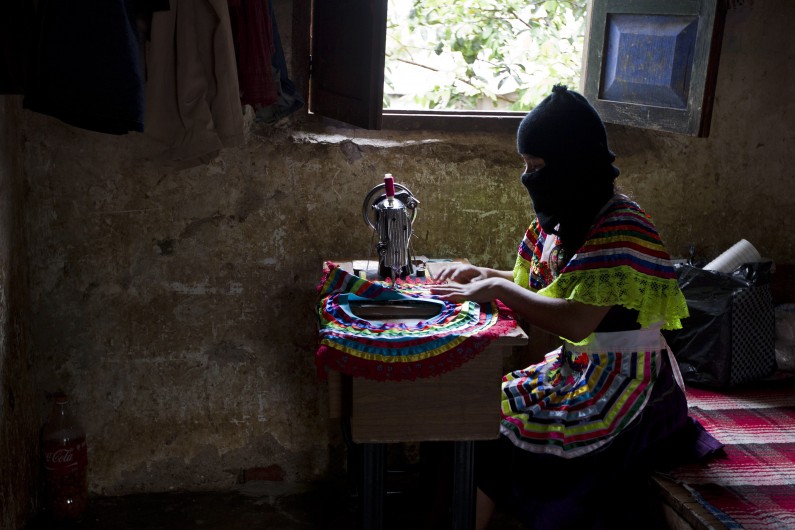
577	178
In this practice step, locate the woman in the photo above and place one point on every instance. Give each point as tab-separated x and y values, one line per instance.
580	430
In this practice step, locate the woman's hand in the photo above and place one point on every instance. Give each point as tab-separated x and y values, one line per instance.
460	272
566	318
480	291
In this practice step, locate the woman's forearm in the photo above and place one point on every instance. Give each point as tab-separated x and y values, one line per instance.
496	273
566	318
569	319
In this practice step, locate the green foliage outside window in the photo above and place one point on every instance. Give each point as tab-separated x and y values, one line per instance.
480	54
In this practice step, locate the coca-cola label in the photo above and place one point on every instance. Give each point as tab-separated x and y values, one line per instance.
66	458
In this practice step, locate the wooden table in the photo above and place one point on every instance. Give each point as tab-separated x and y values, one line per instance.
461	406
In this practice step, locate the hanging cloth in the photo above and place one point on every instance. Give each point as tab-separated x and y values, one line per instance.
289	98
192	95
87	71
254	49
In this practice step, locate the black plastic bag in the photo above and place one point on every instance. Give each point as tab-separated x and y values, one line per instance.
729	337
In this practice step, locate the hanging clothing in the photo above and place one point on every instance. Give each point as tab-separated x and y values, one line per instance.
262	69
17	29
254	48
192	94
86	70
288	97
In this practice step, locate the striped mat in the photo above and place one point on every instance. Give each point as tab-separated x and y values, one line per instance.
752	484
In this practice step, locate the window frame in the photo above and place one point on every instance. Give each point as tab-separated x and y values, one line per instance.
464	121
306	61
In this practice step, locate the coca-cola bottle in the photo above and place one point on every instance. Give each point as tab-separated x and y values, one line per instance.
64	448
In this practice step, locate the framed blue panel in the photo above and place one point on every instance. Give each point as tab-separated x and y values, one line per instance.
648	59
653	64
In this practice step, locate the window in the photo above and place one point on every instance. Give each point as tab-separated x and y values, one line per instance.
480	55
347	74
348	59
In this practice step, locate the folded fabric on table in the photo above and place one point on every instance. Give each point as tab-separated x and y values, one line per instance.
398	350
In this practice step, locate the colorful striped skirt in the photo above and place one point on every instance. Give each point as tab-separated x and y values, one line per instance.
589	432
581	397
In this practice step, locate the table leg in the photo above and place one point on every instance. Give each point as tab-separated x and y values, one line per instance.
463	486
373	491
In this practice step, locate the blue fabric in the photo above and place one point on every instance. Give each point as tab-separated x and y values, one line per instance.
87	71
289	98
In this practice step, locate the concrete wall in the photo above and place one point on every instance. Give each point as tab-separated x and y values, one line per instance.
19	404
176	307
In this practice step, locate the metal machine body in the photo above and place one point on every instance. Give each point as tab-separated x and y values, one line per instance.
390	209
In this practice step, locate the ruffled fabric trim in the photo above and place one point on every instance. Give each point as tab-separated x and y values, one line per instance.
656	300
398	351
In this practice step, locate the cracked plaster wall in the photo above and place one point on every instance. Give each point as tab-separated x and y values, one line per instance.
19	422
177	306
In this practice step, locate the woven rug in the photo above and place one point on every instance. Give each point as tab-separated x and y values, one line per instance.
752	484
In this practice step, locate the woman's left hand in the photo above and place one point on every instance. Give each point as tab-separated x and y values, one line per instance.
480	291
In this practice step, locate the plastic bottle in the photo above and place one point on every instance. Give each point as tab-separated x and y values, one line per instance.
64	448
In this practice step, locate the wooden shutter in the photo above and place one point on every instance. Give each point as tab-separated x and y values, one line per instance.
653	64
348	47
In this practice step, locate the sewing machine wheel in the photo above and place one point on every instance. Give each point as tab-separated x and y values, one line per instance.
378	194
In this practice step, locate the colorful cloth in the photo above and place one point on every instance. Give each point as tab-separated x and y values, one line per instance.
606	488
623	262
580	397
583	395
398	350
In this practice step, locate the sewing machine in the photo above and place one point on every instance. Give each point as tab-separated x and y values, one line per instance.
390	209
459	406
